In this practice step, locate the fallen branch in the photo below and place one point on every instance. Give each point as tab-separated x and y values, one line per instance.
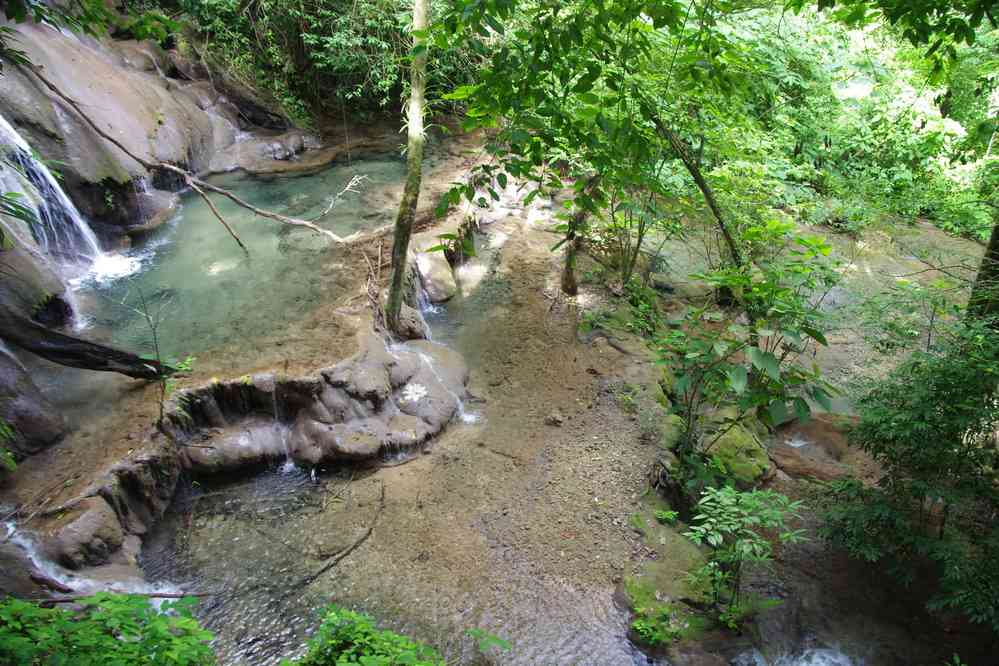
189	178
73	352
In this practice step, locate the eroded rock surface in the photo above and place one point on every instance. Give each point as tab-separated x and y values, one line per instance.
388	398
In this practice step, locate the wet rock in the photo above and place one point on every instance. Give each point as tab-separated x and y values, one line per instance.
182	67
140	487
250	443
18	577
382	400
554	418
813	448
437	276
743	456
35	421
801	464
87	536
411	324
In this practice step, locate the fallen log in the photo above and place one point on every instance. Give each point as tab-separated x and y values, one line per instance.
74	352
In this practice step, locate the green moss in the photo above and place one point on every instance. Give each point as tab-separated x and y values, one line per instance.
637	522
672	432
740	454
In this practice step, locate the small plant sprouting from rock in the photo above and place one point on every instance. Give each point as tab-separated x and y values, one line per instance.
485	641
7	434
666	517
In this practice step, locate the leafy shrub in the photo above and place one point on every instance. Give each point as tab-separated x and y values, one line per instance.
107	629
731	522
346	637
930	427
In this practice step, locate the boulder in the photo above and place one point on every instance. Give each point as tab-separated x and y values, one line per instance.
437	276
743	456
18	577
411	324
140	487
35	422
798	463
86	536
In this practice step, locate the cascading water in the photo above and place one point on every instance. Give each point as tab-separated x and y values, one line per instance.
60	229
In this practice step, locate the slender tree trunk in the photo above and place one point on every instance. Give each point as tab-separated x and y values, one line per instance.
572	242
414	165
984	300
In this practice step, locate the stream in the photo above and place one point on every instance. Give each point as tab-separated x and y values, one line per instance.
449	553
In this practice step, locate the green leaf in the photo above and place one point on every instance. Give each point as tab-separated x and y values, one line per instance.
778	412
765	361
738	377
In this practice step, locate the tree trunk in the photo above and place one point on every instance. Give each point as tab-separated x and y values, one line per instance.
414	165
984	300
74	352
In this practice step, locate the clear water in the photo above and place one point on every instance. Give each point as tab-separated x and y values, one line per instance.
205	291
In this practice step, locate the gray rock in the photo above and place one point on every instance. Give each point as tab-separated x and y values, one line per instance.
87	537
35	421
438	279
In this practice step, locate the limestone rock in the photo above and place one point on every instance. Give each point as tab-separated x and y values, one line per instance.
384	399
250	443
18	577
87	536
35	421
554	418
411	324
438	279
140	487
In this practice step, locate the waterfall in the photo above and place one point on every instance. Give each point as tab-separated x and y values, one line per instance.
60	229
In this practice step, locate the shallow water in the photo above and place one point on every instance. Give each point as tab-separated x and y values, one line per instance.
202	291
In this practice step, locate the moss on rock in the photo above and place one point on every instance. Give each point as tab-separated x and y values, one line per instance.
742	455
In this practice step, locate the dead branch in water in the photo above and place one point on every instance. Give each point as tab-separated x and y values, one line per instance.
198	185
338	557
46	603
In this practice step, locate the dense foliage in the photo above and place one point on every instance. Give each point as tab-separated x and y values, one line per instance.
105	629
327	56
931	427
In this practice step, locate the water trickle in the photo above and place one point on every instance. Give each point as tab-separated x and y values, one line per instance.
75	582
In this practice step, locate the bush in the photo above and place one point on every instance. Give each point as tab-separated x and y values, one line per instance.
104	629
346	637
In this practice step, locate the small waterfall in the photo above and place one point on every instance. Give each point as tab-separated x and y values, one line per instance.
60	229
79	584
